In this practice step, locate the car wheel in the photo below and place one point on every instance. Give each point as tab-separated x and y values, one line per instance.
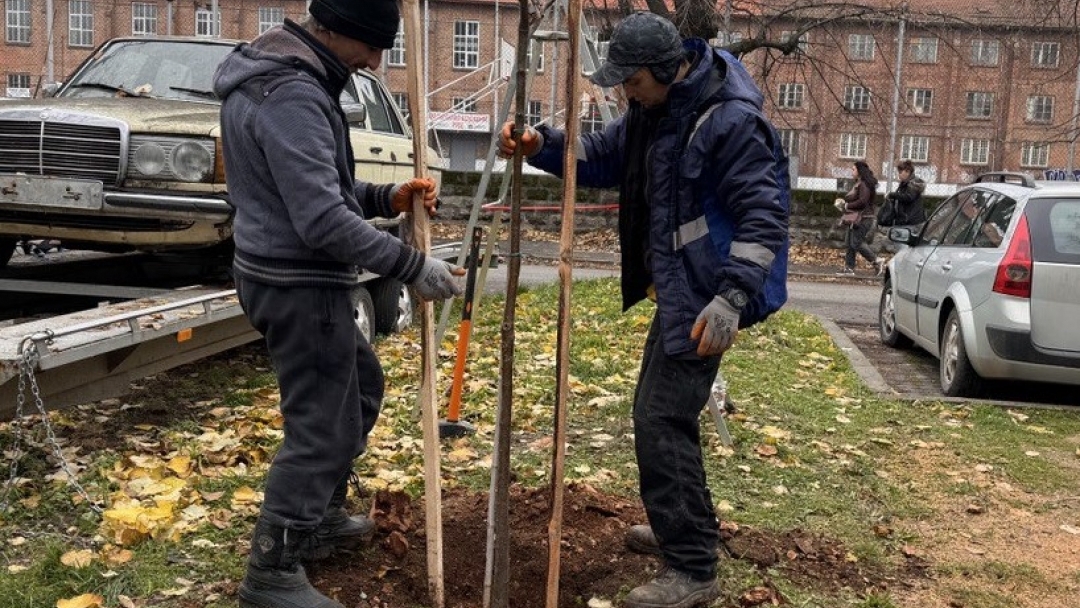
363	311
7	249
393	306
890	335
958	377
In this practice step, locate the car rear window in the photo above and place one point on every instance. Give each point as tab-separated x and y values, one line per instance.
1055	229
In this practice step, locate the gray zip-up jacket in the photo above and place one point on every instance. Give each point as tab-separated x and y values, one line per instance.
290	169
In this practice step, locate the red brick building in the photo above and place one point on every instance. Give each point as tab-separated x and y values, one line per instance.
982	85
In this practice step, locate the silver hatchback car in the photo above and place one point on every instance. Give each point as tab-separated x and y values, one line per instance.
991	284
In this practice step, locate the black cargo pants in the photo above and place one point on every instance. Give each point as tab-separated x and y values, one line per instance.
331	386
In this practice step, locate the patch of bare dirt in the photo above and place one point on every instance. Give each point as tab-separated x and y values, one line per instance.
594	560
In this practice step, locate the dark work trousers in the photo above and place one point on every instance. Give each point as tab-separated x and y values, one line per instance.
670	395
331	387
856	242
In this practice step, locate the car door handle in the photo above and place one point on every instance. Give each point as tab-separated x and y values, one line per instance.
947	266
920	264
375	150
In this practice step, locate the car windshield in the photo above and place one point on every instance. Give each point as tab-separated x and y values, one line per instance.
162	69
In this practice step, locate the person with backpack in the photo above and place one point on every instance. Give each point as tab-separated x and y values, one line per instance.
903	207
703	232
858	219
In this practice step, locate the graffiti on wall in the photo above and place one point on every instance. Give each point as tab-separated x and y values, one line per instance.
1061	175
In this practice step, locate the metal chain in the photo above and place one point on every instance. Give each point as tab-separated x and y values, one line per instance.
26	375
16	432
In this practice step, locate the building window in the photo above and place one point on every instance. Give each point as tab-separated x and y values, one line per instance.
207	25
852	145
533	112
464	105
980	104
467	44
143	19
915	148
856	98
791	95
974	151
804	41
18	85
727	38
1040	108
18	21
789	138
920	101
985	52
401	100
861	47
1043	54
80	23
591	120
1034	155
537	47
924	50
270	16
396	56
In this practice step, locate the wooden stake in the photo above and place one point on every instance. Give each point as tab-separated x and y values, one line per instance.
497	568
421	235
566	262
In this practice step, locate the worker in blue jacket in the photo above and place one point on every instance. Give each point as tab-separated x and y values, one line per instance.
703	231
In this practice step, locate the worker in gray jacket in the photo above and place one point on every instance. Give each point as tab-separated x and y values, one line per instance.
301	235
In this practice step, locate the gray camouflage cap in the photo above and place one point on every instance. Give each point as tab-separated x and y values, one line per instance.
642	39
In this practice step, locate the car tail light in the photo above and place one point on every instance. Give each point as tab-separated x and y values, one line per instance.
1014	272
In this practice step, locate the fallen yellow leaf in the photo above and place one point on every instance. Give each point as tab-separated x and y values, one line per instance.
80	558
86	600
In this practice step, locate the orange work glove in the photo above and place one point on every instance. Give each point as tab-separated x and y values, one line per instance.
530	140
401	197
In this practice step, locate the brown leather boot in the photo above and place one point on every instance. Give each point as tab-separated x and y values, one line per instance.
640	539
275	578
673	589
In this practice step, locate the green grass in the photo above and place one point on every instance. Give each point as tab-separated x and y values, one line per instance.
845	460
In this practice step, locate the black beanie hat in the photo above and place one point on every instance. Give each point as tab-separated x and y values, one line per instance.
372	21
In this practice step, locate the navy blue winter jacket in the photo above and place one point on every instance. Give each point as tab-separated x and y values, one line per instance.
717	205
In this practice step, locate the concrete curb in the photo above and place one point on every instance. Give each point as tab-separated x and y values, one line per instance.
861	364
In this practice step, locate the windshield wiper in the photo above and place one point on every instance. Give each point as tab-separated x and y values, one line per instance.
200	92
107	87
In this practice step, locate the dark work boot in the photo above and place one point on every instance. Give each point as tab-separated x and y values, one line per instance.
640	539
275	578
338	531
673	589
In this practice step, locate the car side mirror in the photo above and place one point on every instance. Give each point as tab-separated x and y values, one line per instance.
50	89
901	235
355	114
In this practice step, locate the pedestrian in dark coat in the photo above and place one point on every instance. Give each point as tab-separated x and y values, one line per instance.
860	199
301	235
908	210
702	223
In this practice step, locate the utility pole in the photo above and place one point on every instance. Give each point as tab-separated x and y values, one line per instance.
896	97
50	62
169	18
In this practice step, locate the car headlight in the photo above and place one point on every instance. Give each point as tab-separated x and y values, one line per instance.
171	158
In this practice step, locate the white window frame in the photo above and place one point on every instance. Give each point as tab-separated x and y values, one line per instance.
17	13
1045	54
974	152
727	38
789	139
466	54
269	17
1034	154
206	25
978	100
853	146
534	112
533	46
804	40
924	49
857	98
985	51
921	101
1040	108
395	57
18	85
790	95
143	19
591	119
80	23
463	105
915	148
861	47
401	100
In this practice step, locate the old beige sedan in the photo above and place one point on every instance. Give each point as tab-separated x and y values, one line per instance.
127	154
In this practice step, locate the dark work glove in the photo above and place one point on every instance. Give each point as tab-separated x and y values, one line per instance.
438	280
716	326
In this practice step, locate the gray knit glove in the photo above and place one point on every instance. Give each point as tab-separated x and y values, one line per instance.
437	280
716	325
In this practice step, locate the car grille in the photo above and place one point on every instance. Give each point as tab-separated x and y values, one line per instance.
78	148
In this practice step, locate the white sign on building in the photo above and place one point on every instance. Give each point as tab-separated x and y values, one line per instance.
460	121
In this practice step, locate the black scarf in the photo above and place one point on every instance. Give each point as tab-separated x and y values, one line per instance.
634	204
